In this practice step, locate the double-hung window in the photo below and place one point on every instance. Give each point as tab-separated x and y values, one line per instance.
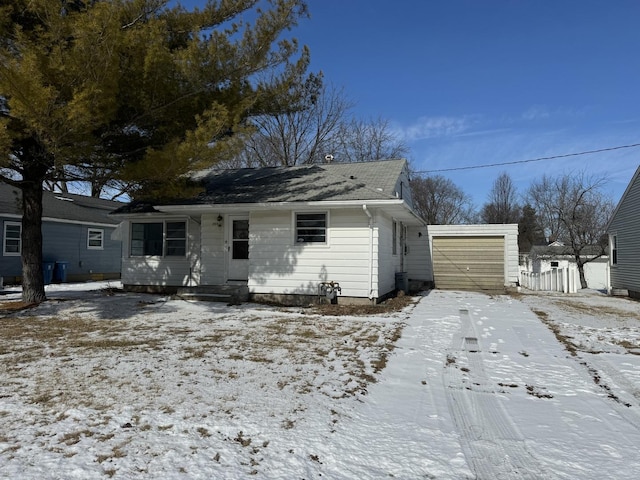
12	239
159	239
311	228
95	239
176	239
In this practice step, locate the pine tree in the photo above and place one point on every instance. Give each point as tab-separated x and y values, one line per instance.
134	90
530	232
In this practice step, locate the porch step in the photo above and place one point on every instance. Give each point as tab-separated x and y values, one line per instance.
215	293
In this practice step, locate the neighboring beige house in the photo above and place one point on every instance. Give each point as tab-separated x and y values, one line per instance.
624	241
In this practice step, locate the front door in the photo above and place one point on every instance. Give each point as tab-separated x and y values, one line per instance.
238	248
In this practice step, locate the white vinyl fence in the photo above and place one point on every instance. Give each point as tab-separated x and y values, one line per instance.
566	280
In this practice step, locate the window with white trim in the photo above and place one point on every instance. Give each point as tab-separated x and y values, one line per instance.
176	239
12	238
613	240
95	239
311	228
158	239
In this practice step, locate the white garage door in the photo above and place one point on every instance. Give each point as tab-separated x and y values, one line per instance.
468	263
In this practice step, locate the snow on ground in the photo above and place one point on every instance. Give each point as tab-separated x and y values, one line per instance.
96	383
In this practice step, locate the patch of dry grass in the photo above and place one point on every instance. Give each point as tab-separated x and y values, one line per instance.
15	306
555	329
159	362
630	347
595	310
393	304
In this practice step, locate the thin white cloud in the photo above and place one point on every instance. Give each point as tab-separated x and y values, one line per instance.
536	112
543	112
434	127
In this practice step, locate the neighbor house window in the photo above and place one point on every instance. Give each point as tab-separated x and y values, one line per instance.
554	264
158	239
95	239
12	238
311	228
614	249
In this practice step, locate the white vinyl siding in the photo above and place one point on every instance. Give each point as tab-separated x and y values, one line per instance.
279	267
389	263
625	225
168	270
418	258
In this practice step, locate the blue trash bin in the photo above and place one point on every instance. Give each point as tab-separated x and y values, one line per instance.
47	272
60	272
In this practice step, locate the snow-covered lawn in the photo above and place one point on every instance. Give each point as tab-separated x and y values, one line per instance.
96	383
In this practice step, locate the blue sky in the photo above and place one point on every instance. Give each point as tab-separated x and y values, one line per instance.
476	82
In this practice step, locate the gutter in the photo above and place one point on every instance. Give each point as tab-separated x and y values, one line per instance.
364	208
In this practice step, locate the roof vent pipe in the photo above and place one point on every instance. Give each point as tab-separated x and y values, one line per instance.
328	158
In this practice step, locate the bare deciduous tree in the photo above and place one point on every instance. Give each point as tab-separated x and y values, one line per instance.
439	201
365	141
502	205
295	135
542	196
578	212
319	125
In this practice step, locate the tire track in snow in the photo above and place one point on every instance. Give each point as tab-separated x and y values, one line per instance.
600	365
490	440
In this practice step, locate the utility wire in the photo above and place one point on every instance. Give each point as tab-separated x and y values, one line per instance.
608	149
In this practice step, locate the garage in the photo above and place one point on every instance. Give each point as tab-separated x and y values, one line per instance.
469	262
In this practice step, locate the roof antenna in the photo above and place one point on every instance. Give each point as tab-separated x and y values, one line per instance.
328	158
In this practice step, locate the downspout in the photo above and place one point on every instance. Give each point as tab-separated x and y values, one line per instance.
364	208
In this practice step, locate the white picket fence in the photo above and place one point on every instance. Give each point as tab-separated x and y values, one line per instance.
566	280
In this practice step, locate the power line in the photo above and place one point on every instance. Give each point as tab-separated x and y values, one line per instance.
539	159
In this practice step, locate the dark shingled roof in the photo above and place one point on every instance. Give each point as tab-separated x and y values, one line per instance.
563	250
304	183
62	206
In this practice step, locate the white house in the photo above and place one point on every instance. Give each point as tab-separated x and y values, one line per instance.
290	234
277	233
542	259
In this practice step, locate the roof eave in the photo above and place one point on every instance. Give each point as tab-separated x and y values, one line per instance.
622	198
396	207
